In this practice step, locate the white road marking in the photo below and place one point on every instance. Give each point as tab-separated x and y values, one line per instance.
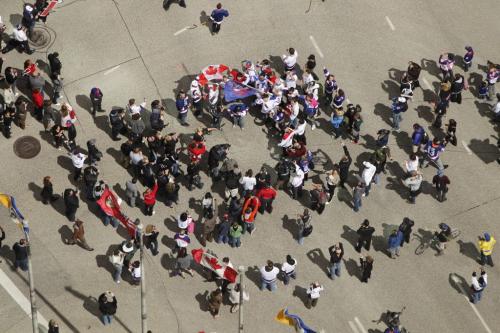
361	327
353	327
464	293
389	22
313	41
466	147
111	70
20	299
426	83
181	31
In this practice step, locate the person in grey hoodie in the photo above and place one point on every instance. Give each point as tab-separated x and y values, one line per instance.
413	183
137	127
132	191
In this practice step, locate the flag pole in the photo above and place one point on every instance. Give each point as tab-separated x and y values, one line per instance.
34	312
144	315
241	270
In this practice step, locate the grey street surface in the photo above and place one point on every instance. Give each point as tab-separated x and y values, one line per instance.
129	50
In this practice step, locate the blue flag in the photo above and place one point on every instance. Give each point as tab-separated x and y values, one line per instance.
234	91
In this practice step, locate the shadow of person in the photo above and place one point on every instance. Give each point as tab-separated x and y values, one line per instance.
395	74
485	150
205	20
37	190
301	294
253	274
468	249
66	233
431	67
403	140
202	299
384	112
277	64
349	235
395	169
168	262
15	19
474	81
291	226
370	142
102	123
391	88
394	183
168	242
84	102
41	64
425	112
352	267
120	191
318	257
116	154
7	253
102	260
171	223
459	283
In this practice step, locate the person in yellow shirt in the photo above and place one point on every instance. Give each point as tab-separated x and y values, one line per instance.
486	244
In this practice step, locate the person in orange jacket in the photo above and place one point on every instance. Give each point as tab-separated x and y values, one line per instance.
266	196
249	213
150	199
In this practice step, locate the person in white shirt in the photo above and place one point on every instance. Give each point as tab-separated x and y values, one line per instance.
234	297
248	183
296	181
116	260
290	59
19	41
184	220
478	285
135	271
133	108
313	292
288	269
291	80
411	164
367	176
269	275
78	159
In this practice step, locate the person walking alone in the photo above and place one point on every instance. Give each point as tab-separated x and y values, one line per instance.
313	293
217	17
486	244
336	253
107	306
21	254
365	233
394	243
366	268
79	236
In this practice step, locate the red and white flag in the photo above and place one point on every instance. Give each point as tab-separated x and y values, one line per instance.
211	262
212	73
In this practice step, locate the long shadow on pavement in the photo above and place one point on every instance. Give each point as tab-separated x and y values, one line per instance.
291	226
301	293
253	274
318	257
468	249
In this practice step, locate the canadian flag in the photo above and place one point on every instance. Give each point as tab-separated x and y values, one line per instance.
211	73
211	262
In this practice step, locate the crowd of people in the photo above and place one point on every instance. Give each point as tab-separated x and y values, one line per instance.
289	107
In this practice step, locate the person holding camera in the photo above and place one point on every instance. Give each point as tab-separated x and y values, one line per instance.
313	294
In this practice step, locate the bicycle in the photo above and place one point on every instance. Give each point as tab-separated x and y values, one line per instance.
434	241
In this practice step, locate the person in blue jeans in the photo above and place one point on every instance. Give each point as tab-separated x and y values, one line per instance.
223	230
399	106
235	235
289	269
107	306
359	190
478	285
269	275
21	255
336	254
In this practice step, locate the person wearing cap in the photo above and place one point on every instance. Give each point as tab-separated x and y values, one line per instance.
486	244
399	106
19	40
107	306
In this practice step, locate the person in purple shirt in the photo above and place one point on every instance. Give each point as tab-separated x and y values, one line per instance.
217	17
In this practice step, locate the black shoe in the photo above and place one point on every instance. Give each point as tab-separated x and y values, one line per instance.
117	139
30	52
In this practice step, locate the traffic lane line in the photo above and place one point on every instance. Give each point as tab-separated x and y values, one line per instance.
180	31
353	327
20	299
389	22
466	147
313	41
111	70
361	327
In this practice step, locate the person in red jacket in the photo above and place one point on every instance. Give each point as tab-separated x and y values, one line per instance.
150	199
296	151
266	196
37	98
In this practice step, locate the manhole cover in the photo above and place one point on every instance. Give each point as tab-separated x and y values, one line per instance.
40	37
27	147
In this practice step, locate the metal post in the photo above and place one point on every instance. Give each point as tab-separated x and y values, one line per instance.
241	270
143	281
34	312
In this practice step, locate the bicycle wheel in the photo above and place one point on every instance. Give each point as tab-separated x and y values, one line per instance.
455	233
421	248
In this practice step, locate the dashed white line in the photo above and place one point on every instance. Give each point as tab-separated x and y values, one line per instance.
389	22
111	70
361	327
426	83
353	327
466	147
180	31
20	299
313	41
464	293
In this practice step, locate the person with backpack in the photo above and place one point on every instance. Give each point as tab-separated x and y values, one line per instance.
399	106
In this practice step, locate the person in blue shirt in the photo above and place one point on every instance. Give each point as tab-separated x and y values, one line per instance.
182	104
237	113
217	17
468	58
399	106
394	243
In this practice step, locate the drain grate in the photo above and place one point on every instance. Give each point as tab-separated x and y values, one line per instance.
27	147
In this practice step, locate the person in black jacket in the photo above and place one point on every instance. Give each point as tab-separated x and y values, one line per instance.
96	100
365	233
90	175
366	268
55	75
107	305
405	228
71	203
48	191
336	254
116	120
21	255
344	165
94	154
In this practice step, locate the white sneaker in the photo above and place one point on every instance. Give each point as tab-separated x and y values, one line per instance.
313	127
153	213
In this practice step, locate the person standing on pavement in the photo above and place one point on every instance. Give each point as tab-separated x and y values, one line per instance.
441	182
107	306
405	228
53	326
96	100
269	274
469	55
150	200
214	302
217	17
235	234
486	244
48	191
492	78
131	191
357	196
344	165
208	228
394	243
78	159
182	104
234	297
477	286
336	253
399	106
71	203
313	293
116	260
289	269
367	176
432	153
365	233
117	122
150	239
79	236
332	180
366	268
305	226
2	237
19	40
183	262
413	183
21	254
55	75
266	196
